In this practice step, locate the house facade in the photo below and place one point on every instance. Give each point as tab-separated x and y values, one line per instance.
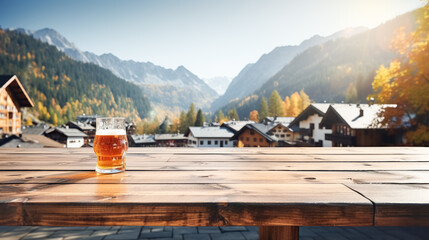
307	124
12	98
209	137
284	134
256	135
72	138
142	141
171	140
356	125
86	128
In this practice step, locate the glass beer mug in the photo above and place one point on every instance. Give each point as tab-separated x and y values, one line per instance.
110	145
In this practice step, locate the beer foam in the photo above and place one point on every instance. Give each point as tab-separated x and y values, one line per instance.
110	132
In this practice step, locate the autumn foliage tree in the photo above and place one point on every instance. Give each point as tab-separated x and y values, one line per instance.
296	103
405	82
253	116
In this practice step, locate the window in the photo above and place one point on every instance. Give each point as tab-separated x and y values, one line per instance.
226	142
260	139
209	142
201	142
282	136
2	115
277	135
252	132
247	139
311	126
215	142
284	130
287	135
194	142
254	139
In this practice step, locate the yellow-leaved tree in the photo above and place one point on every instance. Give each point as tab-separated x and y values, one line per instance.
253	116
406	82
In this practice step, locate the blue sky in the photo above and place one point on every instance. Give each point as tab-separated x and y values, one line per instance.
210	38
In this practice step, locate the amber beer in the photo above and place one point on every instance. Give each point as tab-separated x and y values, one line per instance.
110	145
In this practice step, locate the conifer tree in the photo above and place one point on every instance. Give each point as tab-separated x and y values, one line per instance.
276	108
221	117
183	124
263	109
233	115
191	116
200	119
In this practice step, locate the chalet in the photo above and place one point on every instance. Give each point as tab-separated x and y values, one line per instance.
284	134
284	120
71	137
12	98
356	125
307	128
256	135
142	141
171	140
86	128
235	126
209	137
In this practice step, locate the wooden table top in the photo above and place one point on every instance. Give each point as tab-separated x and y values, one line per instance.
218	187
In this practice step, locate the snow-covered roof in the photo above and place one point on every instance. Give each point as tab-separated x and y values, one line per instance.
211	132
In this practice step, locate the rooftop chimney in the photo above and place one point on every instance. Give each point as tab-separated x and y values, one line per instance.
361	112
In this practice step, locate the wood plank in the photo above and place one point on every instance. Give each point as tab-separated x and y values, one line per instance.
219	157
203	177
238	151
278	233
397	204
185	204
89	164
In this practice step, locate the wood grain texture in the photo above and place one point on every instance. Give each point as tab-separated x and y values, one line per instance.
244	177
397	204
278	233
239	151
218	187
226	204
89	164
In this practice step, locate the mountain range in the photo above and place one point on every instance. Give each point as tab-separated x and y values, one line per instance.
219	84
62	88
254	75
324	69
178	88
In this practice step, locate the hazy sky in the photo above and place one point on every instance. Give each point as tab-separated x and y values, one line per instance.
210	38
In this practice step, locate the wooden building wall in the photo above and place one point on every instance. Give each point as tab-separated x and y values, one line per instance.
251	138
10	115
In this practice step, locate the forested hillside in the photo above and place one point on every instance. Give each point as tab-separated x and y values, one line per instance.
327	70
63	88
338	70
